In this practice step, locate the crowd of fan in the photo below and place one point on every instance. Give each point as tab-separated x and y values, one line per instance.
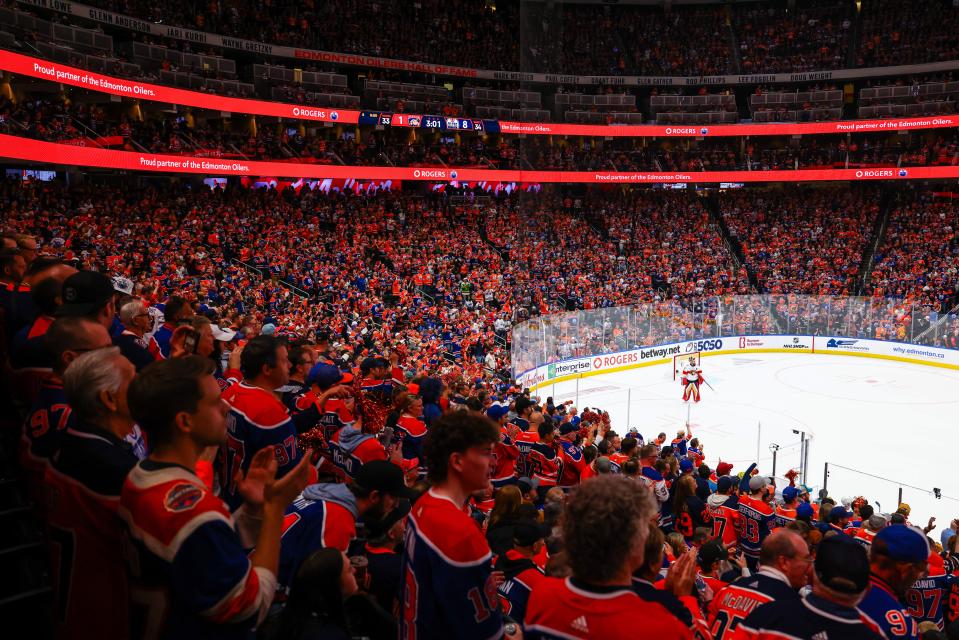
256	484
895	33
367	505
814	35
812	245
586	39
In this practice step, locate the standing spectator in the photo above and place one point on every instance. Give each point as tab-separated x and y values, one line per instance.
840	581
384	551
302	360
83	482
899	555
257	417
88	294
15	300
51	415
191	555
448	584
605	527
520	572
784	564
136	322
758	519
571	457
177	311
325	514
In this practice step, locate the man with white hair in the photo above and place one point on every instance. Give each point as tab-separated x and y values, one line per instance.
83	481
131	341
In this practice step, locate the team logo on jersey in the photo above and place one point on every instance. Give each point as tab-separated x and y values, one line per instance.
182	497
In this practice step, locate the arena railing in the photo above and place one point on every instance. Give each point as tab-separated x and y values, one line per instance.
580	334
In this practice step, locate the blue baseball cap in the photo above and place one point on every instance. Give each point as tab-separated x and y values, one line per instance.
838	512
685	465
903	543
496	411
325	375
790	493
804	510
724	484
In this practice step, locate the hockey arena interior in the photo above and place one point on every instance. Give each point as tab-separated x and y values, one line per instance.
479	319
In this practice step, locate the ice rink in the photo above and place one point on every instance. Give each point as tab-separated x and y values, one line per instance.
880	417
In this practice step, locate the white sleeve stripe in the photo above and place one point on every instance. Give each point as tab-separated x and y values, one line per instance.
234	593
267	591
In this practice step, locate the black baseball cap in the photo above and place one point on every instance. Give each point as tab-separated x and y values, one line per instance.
527	532
385	477
842	565
376	528
84	293
710	553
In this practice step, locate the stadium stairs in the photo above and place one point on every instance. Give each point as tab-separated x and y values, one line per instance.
886	203
735	246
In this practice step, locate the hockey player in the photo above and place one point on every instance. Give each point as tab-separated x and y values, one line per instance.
691	380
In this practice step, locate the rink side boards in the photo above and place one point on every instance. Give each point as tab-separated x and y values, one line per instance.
585	367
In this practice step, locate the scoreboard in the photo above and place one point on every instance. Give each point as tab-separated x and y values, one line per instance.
437	123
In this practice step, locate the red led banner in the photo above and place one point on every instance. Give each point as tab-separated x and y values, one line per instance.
56	72
61	154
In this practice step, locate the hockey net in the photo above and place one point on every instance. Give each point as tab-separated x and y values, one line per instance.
682	360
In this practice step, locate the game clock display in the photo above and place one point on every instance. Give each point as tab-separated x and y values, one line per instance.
437	123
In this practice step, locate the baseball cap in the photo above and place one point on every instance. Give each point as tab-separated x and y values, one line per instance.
84	293
496	411
685	465
373	362
711	552
383	476
122	285
376	528
903	543
325	375
268	329
567	428
804	510
790	493
904	509
757	482
223	335
724	484
723	469
526	533
876	522
839	512
842	565
603	465
527	484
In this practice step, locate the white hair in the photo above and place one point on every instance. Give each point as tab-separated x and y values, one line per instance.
88	375
130	310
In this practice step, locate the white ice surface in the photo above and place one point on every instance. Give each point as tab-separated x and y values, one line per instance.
889	419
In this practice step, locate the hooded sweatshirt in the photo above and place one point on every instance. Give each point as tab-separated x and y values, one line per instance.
324	515
351	449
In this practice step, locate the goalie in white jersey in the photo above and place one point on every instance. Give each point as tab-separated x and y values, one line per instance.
691	381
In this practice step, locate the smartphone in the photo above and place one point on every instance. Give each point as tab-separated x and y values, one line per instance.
190	342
